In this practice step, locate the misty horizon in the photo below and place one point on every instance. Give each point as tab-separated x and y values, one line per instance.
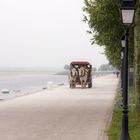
45	34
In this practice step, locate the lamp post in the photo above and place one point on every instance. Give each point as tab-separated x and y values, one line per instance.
127	15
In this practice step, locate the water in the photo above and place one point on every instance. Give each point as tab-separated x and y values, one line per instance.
20	83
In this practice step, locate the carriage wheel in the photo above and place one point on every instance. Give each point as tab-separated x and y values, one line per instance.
72	85
90	85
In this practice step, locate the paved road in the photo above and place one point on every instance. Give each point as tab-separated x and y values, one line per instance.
59	114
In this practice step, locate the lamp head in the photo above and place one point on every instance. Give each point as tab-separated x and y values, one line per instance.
128	12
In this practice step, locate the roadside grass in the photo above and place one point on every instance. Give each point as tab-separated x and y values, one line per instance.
115	128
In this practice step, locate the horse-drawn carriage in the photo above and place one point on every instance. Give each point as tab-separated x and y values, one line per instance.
80	74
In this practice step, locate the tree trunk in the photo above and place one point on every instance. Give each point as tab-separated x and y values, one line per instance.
137	51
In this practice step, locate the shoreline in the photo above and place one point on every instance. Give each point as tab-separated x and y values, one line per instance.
10	96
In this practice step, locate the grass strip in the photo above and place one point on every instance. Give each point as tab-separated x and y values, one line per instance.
115	128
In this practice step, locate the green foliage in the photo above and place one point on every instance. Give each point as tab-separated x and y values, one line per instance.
137	52
103	18
134	129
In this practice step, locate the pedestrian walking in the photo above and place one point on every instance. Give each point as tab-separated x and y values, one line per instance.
117	73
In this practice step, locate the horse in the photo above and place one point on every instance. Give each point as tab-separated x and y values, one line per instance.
72	77
83	75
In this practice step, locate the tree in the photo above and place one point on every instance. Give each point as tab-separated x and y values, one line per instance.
103	18
94	69
137	51
66	67
106	67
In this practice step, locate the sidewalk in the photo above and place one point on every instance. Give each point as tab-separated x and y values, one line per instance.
60	114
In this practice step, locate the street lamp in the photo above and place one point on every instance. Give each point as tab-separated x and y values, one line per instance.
128	12
127	15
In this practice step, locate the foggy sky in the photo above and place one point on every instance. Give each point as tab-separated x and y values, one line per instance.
42	33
